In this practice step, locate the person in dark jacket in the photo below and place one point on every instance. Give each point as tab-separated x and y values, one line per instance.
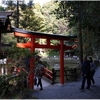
85	73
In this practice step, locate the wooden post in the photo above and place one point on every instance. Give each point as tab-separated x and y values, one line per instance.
75	74
53	75
61	62
31	78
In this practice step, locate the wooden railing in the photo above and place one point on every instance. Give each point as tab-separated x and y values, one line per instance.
48	74
52	75
75	73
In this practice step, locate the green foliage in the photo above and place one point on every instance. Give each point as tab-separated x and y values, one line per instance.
2	8
85	18
54	25
17	53
12	87
53	52
30	19
54	42
4	85
45	63
8	38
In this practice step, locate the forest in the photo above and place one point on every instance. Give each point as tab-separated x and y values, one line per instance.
69	18
79	18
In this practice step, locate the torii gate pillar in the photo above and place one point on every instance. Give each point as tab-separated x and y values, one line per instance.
31	77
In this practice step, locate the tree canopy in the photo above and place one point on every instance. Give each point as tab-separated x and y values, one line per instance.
62	17
84	16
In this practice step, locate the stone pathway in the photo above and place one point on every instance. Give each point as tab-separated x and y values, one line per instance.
70	90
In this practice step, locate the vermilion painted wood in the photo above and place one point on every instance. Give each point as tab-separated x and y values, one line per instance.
24	45
32	49
48	73
22	35
32	45
28	45
62	62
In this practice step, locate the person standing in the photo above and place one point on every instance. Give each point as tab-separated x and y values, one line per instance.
92	70
39	72
85	73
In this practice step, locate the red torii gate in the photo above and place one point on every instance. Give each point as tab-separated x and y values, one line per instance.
32	45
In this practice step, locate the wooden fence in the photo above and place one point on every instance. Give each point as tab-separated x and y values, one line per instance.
52	75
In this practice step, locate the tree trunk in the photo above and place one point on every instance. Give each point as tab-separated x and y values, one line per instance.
17	18
80	44
80	36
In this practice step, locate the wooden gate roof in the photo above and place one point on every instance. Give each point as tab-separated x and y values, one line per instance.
2	13
42	35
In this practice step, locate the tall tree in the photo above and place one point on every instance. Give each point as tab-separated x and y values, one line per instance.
31	19
54	25
28	17
83	15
